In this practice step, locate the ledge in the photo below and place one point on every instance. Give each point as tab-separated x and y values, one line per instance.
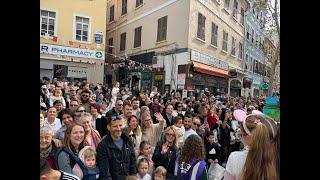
201	40
213	46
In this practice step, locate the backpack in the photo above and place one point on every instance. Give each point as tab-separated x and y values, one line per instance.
88	174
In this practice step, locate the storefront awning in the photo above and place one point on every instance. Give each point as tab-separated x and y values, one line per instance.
199	67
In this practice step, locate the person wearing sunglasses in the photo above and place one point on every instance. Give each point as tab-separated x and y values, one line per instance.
85	99
117	110
78	113
115	153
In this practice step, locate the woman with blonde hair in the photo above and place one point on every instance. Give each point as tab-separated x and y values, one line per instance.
92	136
151	132
261	137
166	152
133	131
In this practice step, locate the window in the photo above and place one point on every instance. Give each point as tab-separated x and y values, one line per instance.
110	47
257	40
214	35
82	28
137	37
247	62
248	35
242	16
240	50
124	7
252	36
48	19
233	46
139	2
122	41
226	4
162	29
201	26
235	9
112	13
225	41
251	64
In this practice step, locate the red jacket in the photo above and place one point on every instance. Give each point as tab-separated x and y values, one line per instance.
212	119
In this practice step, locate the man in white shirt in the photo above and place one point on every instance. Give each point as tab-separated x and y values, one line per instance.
51	120
187	122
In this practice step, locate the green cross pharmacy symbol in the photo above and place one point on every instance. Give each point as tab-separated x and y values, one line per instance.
98	54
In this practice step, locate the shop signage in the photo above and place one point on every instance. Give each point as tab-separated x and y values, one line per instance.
180	86
264	86
181	79
158	77
77	72
98	37
69	51
211	61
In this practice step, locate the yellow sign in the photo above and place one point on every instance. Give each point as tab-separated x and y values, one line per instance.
158	77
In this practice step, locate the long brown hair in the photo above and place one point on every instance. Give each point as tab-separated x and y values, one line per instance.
67	141
263	151
193	148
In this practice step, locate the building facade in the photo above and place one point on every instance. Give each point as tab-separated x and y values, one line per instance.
270	53
254	65
72	39
192	44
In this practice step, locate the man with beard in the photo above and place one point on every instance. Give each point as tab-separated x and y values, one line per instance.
135	107
127	113
115	153
85	95
187	122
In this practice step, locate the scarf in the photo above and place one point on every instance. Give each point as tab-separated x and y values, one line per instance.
96	137
44	154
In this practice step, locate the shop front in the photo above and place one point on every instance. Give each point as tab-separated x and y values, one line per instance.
204	76
71	63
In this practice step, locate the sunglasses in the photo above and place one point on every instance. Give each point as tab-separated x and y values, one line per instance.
179	106
197	124
119	104
113	118
170	134
81	111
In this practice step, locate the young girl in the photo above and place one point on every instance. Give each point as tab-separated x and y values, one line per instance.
88	156
145	152
160	173
143	167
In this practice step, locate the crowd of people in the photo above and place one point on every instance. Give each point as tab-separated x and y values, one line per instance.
90	131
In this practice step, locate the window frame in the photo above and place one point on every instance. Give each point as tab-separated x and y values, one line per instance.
75	28
161	29
135	37
224	4
110	14
122	7
110	48
124	42
214	34
201	29
140	3
225	41
55	33
235	9
240	50
233	46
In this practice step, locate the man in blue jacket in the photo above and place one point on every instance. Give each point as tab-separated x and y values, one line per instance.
115	153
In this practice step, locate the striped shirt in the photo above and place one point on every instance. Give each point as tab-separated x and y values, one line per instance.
67	176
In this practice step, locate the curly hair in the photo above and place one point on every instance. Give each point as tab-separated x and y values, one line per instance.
193	148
